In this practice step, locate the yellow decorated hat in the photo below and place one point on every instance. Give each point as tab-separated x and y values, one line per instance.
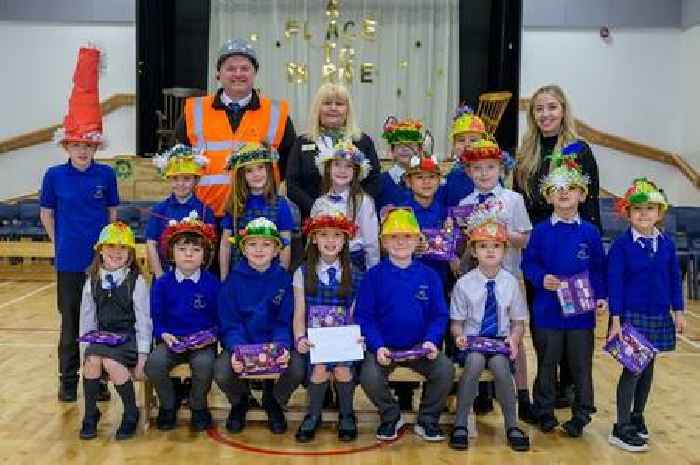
180	160
399	220
642	191
116	233
465	121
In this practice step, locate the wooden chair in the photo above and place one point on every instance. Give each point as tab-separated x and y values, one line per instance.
173	106
491	108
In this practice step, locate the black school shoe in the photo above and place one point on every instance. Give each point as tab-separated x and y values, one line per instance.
637	420
127	429
276	420
347	427
201	420
574	427
526	413
89	428
67	393
518	440
167	419
459	438
307	429
626	438
548	422
430	432
235	423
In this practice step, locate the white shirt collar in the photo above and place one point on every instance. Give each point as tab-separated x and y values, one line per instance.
482	277
555	219
322	270
226	100
636	235
118	276
396	172
495	191
194	277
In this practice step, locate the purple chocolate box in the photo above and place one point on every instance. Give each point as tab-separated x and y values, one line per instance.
441	245
576	295
631	349
486	345
410	354
326	316
194	341
261	359
103	337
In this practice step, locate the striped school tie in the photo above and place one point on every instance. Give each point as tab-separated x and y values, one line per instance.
489	324
332	281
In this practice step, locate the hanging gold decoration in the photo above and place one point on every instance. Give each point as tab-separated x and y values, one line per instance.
332	30
328	48
307	32
345	60
253	37
292	28
369	29
367	72
330	72
297	73
333	9
403	64
348	35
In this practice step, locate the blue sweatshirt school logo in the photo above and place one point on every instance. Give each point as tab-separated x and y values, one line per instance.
99	192
422	293
199	302
277	299
582	253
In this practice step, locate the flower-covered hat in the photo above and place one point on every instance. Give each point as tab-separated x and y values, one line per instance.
259	227
642	191
486	149
83	123
344	150
116	233
425	163
565	170
191	224
399	220
403	131
251	153
465	121
484	225
180	160
330	220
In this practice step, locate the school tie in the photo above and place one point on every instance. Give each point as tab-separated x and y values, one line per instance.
648	244
110	281
489	324
482	198
234	107
331	276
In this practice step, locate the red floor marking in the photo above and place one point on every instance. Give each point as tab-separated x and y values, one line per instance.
214	434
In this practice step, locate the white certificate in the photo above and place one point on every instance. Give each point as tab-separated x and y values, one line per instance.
335	344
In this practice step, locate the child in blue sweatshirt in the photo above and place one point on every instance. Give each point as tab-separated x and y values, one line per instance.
400	306
644	284
560	247
183	302
255	307
182	167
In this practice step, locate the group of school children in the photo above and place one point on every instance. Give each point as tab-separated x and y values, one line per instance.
359	256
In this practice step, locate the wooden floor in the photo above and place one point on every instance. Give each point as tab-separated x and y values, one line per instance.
35	428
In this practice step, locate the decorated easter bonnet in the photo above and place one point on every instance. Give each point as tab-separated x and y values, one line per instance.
565	171
190	224
83	123
251	153
330	220
399	220
180	160
402	131
344	150
642	191
486	149
426	162
116	233
465	121
259	227
484	225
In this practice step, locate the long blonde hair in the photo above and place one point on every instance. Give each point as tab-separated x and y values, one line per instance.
238	195
326	91
529	158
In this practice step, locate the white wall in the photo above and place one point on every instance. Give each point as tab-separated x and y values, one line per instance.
632	87
36	81
690	72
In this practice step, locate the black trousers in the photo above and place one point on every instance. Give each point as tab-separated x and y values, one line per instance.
564	379
552	345
69	291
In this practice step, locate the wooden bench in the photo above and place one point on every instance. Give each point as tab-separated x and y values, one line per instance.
29	250
296	413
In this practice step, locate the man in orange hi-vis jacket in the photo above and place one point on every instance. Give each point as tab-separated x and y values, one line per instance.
235	113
